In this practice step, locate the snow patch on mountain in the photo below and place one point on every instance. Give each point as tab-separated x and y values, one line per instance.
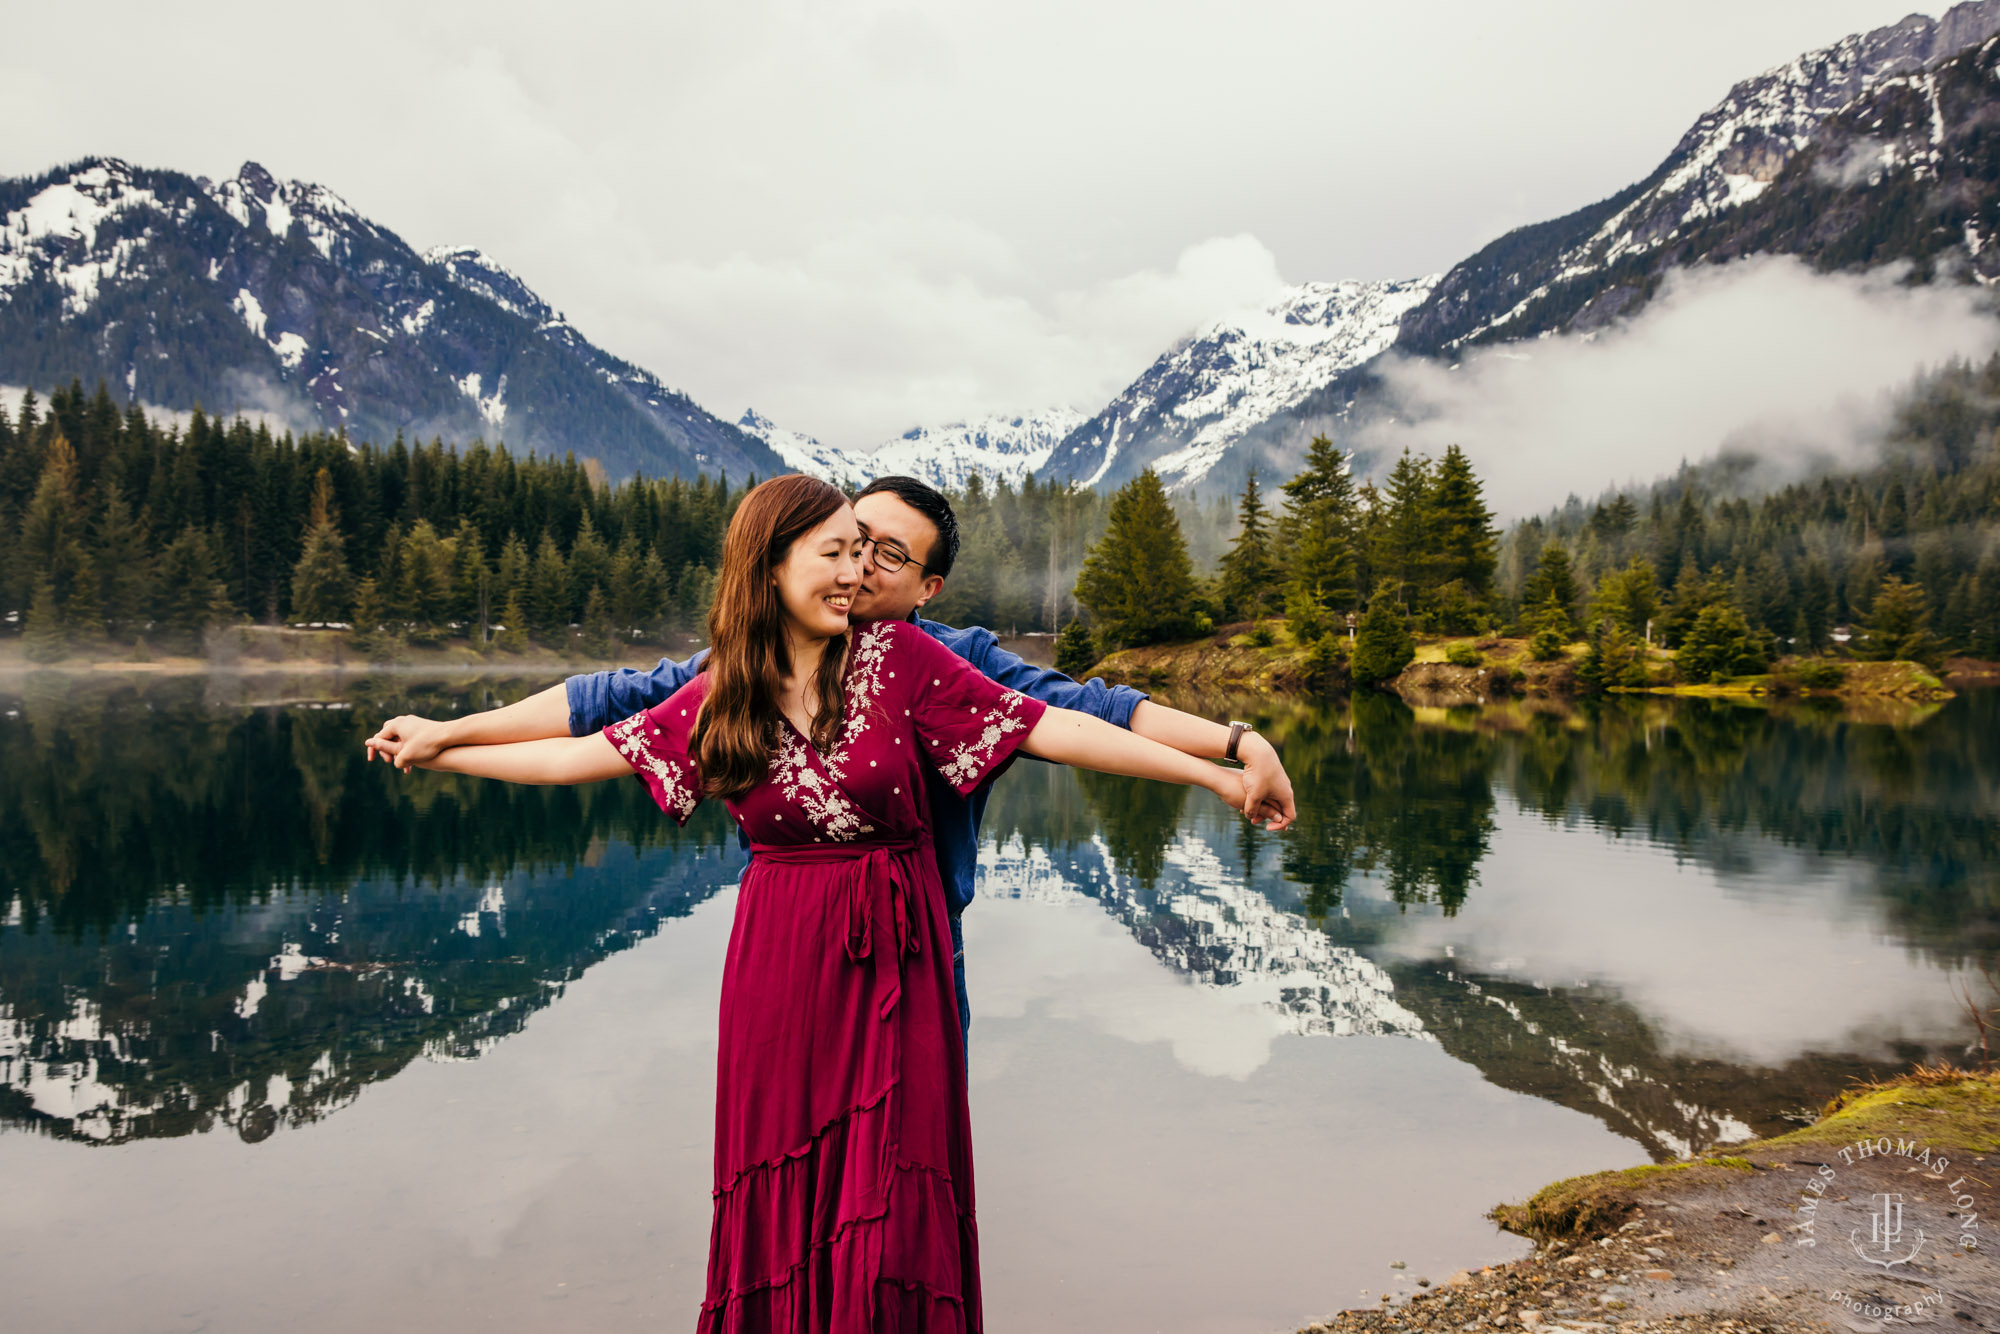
56	234
492	407
1234	374
1737	148
804	453
1002	447
478	272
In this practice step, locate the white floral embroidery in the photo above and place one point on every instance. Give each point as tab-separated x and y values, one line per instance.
970	759
676	793
801	784
864	683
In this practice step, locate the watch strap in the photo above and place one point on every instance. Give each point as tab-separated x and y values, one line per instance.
1236	731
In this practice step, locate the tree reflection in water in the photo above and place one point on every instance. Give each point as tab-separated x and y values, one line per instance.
221	915
214	913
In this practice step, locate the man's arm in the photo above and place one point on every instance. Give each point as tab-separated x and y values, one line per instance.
579	706
1267	790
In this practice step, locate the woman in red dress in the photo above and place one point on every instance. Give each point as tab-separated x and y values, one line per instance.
843	1148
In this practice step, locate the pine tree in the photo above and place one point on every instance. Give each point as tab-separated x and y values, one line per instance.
1465	536
1250	587
1383	645
192	597
121	567
426	577
52	533
1814	623
44	636
1627	598
547	599
1718	645
1899	626
1137	581
321	583
1405	537
1615	658
1552	583
1076	652
589	566
1320	532
471	581
513	635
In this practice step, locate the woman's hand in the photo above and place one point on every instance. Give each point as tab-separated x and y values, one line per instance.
408	741
1085	742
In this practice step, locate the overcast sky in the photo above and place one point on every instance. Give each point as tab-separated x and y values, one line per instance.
858	217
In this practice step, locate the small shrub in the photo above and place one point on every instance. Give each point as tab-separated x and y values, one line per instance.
1262	635
1819	674
1076	649
1464	655
1382	645
1204	624
1500	681
1547	644
1325	661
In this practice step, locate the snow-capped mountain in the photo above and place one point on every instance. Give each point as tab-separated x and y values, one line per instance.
1205	395
1000	448
1871	150
1579	271
277	296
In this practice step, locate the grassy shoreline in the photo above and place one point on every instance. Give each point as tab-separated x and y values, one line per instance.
1232	658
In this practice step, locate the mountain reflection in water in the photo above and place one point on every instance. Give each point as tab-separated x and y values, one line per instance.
215	914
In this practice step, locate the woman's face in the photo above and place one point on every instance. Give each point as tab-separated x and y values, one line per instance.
818	578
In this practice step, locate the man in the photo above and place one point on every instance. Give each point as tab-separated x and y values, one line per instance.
911	542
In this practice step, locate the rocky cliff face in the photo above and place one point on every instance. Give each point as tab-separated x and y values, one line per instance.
1578	271
277	297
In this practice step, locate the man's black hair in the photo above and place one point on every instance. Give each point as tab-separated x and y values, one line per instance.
928	501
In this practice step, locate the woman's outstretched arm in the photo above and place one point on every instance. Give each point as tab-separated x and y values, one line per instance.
567	759
1086	742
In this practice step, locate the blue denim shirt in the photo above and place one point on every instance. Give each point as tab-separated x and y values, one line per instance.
602	698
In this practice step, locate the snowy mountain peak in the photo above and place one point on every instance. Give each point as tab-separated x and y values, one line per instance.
326	221
1235	374
1000	447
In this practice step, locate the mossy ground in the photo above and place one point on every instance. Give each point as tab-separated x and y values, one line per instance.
1953	1111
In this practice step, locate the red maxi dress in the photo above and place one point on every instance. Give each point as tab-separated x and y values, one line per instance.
843	1146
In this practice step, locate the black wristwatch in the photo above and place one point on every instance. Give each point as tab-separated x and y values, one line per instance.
1237	731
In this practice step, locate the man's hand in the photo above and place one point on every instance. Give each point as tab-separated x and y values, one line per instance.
1267	791
408	740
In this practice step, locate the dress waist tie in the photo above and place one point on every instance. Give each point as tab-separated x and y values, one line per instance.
872	871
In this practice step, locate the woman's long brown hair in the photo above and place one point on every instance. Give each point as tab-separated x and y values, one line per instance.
749	657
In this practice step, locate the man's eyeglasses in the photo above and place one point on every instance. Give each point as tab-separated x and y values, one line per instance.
889	558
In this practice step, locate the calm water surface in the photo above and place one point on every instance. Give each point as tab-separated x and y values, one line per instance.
286	1039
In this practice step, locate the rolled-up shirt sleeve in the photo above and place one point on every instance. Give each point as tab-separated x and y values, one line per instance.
598	699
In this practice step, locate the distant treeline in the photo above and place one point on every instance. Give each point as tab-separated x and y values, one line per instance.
1898	559
116	528
1904	551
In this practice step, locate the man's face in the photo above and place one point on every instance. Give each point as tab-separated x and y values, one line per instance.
891	523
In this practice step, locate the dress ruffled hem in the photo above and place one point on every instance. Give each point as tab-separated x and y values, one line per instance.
811	1241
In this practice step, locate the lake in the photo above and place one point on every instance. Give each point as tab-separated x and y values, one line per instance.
287	1040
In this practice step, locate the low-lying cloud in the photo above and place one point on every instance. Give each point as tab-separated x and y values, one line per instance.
1762	356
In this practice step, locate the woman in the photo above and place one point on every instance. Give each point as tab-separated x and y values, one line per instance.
843	1149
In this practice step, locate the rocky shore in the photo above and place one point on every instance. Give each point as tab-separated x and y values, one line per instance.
1876	1217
